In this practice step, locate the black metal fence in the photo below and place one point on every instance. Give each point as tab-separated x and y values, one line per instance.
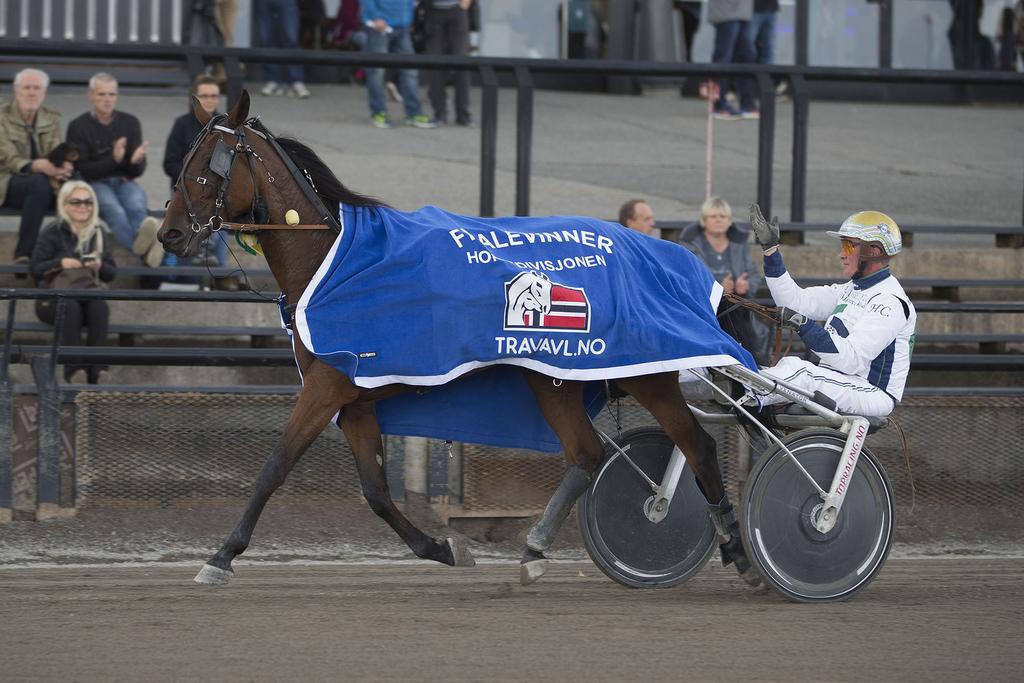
519	73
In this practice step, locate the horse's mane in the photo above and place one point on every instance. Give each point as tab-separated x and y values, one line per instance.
328	187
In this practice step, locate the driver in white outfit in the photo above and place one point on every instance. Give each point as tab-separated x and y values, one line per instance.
866	338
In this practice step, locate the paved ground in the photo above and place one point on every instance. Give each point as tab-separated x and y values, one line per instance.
923	164
921	620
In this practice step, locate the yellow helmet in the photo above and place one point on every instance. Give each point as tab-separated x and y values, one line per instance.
872	226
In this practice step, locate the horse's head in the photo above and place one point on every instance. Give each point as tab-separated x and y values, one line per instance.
213	186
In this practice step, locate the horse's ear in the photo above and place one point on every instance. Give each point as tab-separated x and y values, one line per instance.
240	112
201	114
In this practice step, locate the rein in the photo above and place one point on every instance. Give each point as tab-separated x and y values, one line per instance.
767	313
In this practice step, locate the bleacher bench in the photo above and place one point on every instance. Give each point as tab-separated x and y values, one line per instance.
128	334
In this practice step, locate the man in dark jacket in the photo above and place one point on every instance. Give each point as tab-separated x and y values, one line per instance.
112	155
186	127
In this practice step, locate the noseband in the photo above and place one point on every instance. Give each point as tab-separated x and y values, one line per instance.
222	165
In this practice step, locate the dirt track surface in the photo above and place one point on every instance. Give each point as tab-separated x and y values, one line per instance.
926	619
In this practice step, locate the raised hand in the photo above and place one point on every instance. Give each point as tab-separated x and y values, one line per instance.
728	284
120	145
140	152
766	234
742	286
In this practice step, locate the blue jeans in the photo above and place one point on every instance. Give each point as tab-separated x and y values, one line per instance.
218	246
398	42
123	206
282	15
761	35
733	47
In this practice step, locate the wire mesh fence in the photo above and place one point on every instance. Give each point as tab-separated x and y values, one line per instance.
167	449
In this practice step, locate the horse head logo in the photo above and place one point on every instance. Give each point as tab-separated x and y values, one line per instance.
528	291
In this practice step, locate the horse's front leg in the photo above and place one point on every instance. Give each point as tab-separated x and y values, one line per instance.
562	407
359	422
324	389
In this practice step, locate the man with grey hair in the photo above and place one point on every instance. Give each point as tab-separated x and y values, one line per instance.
112	155
28	133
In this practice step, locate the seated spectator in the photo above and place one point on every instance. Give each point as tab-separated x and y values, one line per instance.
77	239
277	24
723	247
183	133
112	155
636	215
28	133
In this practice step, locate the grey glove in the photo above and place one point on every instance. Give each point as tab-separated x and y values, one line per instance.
766	234
791	319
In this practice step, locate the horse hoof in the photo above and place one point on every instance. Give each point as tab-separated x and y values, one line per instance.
460	553
532	570
752	578
213	576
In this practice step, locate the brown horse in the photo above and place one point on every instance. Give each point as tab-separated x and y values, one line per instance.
275	176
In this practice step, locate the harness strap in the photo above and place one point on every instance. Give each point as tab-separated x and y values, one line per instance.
301	178
256	227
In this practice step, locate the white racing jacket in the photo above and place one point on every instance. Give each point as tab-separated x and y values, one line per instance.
869	324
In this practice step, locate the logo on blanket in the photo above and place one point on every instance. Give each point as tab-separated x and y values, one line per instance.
534	302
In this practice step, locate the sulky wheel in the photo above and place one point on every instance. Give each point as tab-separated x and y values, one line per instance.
801	562
621	540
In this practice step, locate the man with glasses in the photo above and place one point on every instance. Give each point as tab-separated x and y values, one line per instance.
28	133
186	128
866	340
112	155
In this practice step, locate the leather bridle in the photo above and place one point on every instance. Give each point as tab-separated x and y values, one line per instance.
222	165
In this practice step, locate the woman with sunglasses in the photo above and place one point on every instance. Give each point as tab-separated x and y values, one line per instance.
865	342
77	239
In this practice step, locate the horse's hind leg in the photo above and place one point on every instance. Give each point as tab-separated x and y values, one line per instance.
323	390
661	396
359	422
562	407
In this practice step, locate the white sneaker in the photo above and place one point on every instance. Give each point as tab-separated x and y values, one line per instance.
269	88
155	256
300	90
145	238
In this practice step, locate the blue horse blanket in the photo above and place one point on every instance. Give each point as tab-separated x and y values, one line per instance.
423	298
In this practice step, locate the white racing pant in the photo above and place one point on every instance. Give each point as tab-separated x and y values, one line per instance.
853	395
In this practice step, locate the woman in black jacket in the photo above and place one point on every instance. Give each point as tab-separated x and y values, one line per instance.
77	239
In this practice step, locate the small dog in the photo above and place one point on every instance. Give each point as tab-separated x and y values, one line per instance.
65	151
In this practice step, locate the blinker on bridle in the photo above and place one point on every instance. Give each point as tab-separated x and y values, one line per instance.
222	164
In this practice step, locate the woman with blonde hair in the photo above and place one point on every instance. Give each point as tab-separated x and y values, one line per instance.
722	246
77	243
